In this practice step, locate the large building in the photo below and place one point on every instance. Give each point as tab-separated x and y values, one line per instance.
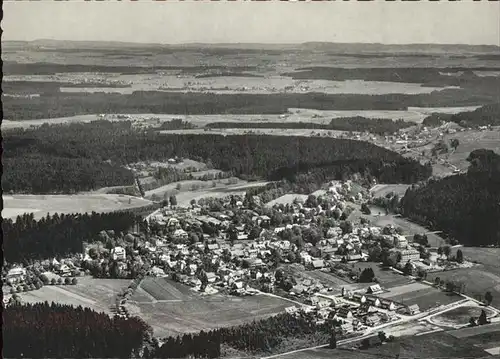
409	255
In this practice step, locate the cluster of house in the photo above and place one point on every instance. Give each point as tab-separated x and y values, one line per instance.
230	260
32	277
354	311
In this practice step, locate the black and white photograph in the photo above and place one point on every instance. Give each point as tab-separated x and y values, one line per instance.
251	179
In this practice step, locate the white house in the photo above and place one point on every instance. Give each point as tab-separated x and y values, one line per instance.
16	274
118	253
180	234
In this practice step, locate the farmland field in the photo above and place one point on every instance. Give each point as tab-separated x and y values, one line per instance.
162	289
415	114
97	294
434	345
403	289
477	331
40	205
425	298
194	313
381	190
478	280
387	278
221	191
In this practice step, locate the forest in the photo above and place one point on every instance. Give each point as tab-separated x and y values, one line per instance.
58	235
378	126
45	330
483	116
63	104
76	157
257	337
45	68
465	77
466	206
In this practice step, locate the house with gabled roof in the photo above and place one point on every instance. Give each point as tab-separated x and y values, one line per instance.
387	304
373	301
374	289
318	264
344	313
358	297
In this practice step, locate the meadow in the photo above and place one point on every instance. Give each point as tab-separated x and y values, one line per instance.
97	294
478	281
425	298
387	278
434	345
40	205
176	309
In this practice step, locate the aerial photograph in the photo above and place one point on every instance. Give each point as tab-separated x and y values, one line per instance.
251	180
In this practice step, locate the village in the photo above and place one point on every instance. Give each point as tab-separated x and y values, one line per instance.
304	252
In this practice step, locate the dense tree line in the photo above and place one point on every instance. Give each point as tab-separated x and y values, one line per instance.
465	206
259	336
39	173
483	116
45	68
62	331
438	77
94	153
62	104
58	235
379	126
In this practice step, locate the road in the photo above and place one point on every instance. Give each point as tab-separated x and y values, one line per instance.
374	330
425	316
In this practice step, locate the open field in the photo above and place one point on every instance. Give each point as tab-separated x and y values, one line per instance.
409	228
252	83
493	328
194	313
425	298
286	199
97	294
404	289
489	257
478	281
380	190
196	189
460	315
184	198
387	278
40	205
468	141
415	114
162	289
434	345
486	337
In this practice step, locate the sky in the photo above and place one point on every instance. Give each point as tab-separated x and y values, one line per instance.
173	22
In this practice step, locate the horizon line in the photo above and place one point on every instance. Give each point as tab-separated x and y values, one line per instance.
257	43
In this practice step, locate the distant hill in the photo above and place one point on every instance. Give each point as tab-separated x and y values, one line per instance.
330	47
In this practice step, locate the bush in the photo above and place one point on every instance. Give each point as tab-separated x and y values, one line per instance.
74	281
